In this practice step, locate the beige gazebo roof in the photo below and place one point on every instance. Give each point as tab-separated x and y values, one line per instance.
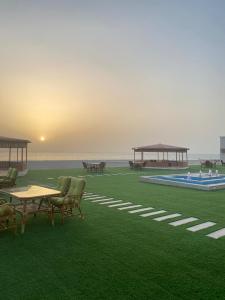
8	142
160	148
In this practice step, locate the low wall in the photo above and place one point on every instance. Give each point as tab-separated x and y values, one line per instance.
164	164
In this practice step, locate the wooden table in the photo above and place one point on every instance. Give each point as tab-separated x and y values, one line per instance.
27	195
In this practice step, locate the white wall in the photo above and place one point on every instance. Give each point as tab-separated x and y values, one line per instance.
222	148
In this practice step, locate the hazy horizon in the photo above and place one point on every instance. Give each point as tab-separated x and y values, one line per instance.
106	76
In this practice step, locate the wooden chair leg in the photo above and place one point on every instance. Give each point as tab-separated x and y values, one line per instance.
23	223
15	225
40	204
52	215
81	214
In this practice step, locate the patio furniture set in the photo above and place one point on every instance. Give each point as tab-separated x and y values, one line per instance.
34	199
136	165
94	167
211	163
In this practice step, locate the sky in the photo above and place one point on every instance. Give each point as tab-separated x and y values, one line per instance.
106	76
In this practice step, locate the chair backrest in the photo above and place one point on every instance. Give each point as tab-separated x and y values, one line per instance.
102	165
84	164
13	176
208	164
76	189
131	163
63	184
9	172
6	210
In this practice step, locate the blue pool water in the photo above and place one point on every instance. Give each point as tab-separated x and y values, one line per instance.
204	182
194	179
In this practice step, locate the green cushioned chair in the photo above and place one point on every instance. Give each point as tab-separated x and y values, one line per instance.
71	201
2	201
9	181
7	217
8	174
63	187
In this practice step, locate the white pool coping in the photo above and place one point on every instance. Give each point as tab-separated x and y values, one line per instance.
157	180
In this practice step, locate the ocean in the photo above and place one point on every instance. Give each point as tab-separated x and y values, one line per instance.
112	159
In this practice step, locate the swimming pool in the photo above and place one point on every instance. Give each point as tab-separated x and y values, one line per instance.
204	182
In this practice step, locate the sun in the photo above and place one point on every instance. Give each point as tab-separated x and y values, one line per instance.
42	138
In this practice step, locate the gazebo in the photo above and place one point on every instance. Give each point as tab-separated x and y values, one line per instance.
17	153
167	156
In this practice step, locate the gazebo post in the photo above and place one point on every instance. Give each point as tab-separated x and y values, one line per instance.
134	155
26	156
9	156
11	159
22	157
142	156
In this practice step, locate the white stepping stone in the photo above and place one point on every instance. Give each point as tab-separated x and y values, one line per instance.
88	193
167	217
129	207
109	202
92	195
153	213
140	210
201	226
183	221
95	198
217	234
102	200
121	204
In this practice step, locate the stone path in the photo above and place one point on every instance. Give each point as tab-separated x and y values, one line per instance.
148	212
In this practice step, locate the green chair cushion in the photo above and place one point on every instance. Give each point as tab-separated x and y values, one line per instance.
11	179
9	173
64	184
76	187
59	201
13	175
2	201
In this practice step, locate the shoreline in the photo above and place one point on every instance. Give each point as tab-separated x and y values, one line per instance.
71	164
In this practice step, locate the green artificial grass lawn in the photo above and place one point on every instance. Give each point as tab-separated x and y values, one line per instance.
113	254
